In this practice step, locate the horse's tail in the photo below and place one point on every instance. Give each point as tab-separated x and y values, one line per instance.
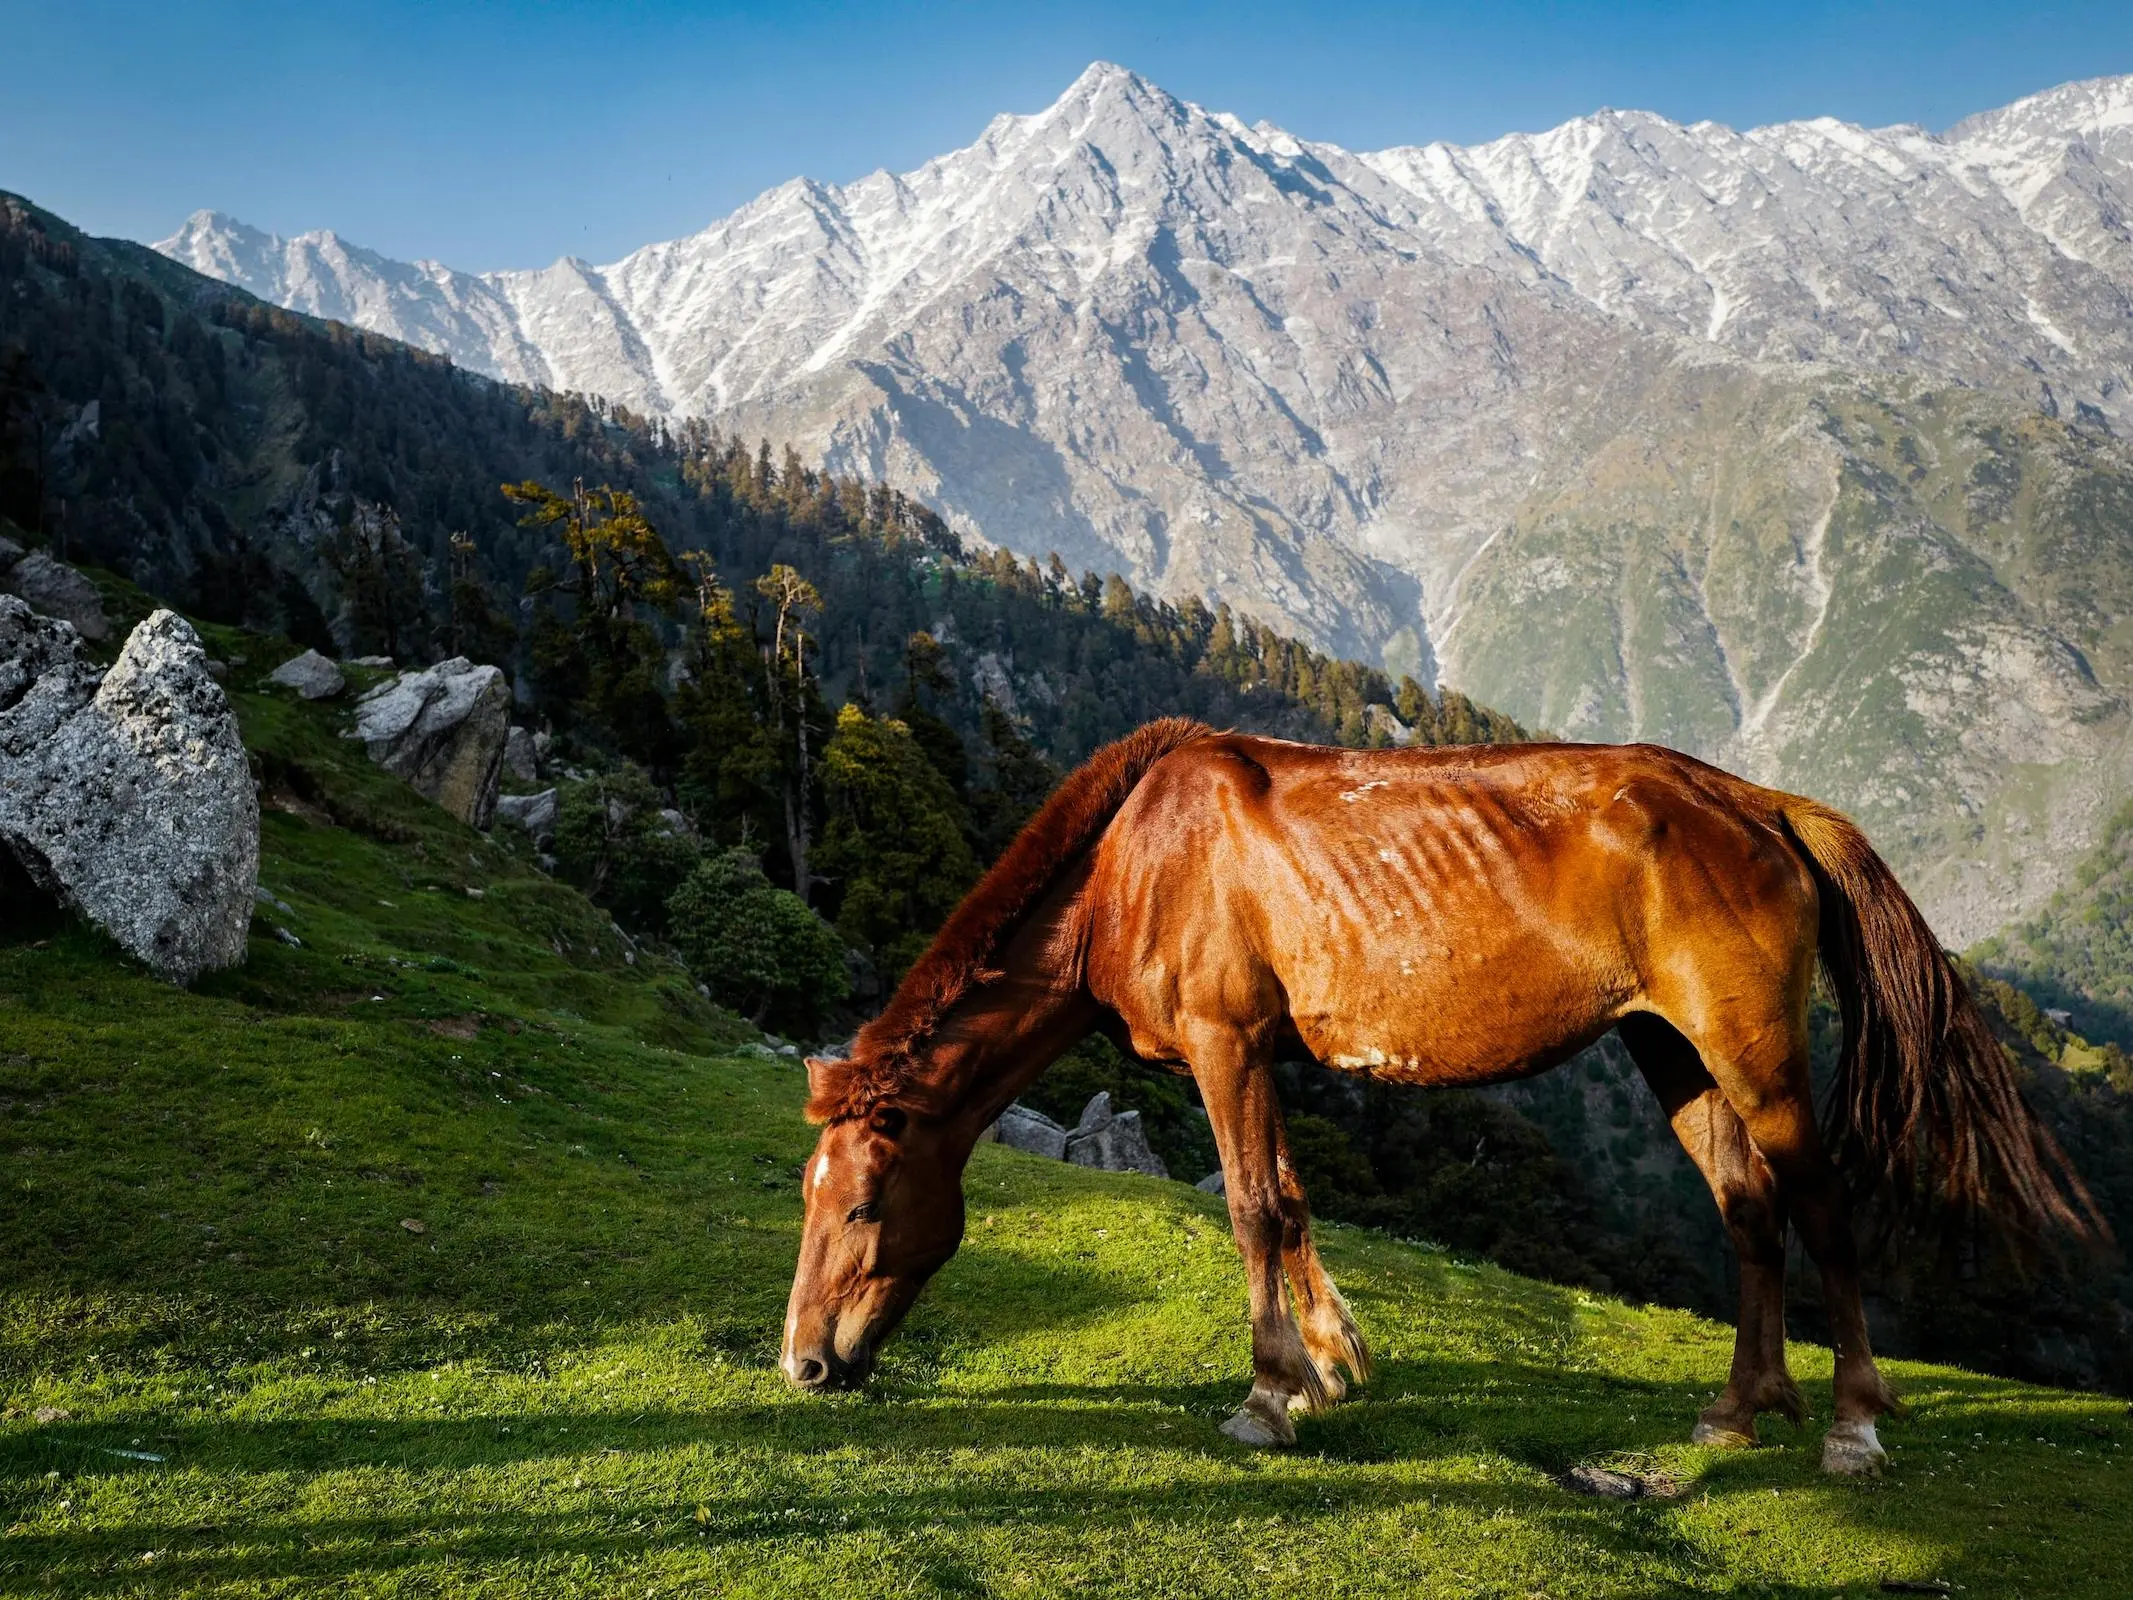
1925	1097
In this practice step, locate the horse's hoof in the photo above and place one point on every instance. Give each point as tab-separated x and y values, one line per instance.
1248	1427
1724	1438
1852	1451
1262	1422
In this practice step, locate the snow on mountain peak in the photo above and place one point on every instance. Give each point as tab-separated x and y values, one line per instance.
1106	323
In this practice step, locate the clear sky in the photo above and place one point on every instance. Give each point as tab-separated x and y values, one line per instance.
496	135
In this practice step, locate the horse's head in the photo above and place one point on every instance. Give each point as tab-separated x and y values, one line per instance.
884	1196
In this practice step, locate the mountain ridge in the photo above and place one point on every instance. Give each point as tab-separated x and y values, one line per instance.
1487	171
1785	446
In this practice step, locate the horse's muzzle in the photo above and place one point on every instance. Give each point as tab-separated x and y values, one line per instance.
825	1370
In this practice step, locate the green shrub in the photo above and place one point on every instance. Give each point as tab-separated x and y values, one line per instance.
613	842
759	947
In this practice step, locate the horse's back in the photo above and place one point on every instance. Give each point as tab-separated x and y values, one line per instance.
1443	914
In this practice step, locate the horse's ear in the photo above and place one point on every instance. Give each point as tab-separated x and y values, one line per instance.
825	1086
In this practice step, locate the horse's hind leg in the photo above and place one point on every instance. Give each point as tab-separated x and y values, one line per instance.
1766	1079
1331	1338
1753	1211
1238	1090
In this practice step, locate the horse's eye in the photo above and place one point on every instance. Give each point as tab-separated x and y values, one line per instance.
863	1213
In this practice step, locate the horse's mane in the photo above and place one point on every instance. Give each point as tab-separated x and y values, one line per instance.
960	957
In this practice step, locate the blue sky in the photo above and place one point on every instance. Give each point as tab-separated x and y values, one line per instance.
492	135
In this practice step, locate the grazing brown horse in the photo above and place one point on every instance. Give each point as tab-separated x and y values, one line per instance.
1443	916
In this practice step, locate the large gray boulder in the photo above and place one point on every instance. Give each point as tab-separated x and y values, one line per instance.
1112	1141
534	812
311	675
1020	1128
521	756
443	730
126	793
54	589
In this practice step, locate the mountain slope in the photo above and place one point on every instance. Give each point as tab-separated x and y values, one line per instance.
445	1253
214	451
1607	425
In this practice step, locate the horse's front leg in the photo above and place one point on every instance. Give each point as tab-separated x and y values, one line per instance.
1331	1338
1238	1089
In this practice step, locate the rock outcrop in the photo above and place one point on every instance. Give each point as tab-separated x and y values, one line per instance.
126	794
53	589
533	812
1020	1128
1111	1141
443	730
311	675
522	756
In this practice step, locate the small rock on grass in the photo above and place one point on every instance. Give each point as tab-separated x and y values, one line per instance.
414	1225
311	675
1609	1484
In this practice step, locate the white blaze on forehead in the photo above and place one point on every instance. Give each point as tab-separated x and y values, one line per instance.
822	1170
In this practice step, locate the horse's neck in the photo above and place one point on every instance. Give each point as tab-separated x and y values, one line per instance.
993	1047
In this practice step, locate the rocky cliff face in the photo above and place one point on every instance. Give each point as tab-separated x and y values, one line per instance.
1791	446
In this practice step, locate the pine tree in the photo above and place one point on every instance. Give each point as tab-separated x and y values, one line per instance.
381	579
927	680
894	842
599	669
795	702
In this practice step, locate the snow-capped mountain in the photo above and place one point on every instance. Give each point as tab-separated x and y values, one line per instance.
1124	319
2003	243
1611	423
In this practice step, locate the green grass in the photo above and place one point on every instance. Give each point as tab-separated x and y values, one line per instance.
565	1383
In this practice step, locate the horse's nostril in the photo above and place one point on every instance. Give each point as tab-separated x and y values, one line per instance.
812	1372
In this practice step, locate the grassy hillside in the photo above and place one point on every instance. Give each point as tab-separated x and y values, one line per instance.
445	1253
2076	954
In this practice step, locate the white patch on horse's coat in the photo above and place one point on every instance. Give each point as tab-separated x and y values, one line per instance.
822	1170
1361	789
1372	1056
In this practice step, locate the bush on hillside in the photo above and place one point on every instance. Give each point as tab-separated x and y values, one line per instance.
759	947
614	841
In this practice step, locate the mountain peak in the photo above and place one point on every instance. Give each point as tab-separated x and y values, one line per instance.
1100	75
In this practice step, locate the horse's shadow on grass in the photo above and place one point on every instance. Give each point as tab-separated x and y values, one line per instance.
682	1505
390	1548
659	1479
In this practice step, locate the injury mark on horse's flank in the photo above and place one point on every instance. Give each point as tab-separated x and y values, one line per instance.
1361	789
